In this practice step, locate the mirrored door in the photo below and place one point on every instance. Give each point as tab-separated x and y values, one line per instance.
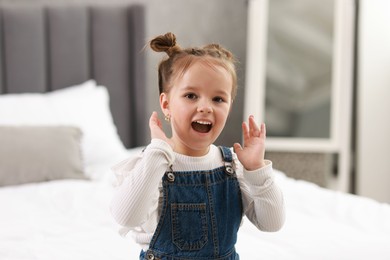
299	68
299	76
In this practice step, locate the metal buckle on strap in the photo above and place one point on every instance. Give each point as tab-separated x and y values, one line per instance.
151	256
170	176
229	168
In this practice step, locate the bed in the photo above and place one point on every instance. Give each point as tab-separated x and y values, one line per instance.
72	105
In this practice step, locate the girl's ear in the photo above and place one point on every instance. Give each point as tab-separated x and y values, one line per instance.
164	104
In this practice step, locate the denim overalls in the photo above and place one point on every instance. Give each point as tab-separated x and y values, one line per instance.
201	214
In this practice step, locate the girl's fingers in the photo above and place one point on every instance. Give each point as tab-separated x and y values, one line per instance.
154	118
154	121
253	127
237	147
262	130
245	130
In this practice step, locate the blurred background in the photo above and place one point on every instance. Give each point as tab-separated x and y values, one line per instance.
300	80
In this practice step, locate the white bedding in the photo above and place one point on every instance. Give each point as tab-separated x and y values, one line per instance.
70	219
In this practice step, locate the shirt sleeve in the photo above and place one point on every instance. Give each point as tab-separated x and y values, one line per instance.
137	192
263	200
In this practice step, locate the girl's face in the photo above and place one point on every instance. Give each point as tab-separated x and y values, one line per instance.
198	104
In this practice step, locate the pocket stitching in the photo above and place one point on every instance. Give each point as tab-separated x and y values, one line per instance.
177	238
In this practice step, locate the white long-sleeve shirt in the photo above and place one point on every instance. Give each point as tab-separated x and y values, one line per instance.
137	201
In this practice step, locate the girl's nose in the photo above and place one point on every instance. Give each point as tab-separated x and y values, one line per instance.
205	108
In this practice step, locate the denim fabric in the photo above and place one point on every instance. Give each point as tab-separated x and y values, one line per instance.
201	215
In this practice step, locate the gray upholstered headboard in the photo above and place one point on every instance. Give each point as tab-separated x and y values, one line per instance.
44	48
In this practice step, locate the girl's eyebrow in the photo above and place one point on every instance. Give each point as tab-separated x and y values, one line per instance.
217	92
189	88
222	92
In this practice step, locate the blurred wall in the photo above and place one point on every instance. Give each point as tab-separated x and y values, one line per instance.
373	121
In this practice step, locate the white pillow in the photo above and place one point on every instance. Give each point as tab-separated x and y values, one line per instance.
85	106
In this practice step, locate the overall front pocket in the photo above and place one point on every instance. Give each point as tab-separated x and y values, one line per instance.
189	225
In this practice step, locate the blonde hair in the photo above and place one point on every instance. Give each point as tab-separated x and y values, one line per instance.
180	59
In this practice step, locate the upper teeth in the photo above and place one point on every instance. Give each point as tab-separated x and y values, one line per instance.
203	122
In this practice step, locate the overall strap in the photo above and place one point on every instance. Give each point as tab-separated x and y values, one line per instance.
226	154
228	159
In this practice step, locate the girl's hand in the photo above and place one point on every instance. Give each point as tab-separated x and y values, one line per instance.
156	130
251	155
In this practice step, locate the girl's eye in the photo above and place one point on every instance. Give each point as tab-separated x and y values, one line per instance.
191	96
218	99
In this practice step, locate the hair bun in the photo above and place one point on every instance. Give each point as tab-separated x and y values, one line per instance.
165	43
220	51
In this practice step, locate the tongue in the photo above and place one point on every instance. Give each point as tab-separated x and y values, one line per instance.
201	127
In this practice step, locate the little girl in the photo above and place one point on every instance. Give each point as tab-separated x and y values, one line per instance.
183	197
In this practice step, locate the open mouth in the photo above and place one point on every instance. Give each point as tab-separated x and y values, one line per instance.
201	126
